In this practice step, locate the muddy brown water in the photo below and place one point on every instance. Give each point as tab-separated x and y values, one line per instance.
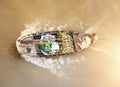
101	65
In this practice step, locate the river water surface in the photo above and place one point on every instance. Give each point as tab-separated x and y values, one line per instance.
97	66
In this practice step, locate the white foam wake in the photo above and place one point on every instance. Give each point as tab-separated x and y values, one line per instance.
61	66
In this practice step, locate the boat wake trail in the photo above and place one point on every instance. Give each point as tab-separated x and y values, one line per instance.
60	66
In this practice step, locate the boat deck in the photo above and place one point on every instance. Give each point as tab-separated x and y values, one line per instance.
66	46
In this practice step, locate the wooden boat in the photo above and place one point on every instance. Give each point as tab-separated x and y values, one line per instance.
53	43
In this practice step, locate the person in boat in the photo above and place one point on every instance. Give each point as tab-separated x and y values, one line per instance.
93	37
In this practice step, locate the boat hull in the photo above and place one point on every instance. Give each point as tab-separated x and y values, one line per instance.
52	43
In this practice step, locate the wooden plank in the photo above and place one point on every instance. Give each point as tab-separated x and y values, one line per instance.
31	42
75	42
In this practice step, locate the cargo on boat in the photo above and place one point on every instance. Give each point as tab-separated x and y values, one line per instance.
53	43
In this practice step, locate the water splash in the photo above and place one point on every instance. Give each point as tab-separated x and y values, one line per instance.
42	26
60	66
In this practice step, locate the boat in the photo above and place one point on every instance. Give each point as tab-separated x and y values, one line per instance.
53	43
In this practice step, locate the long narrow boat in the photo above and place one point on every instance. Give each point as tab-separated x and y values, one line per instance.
53	43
